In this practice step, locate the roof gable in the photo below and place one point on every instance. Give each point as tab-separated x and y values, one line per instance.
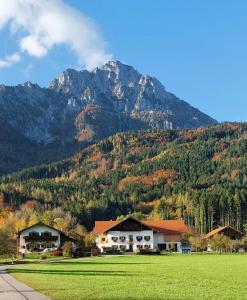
103	226
40	224
164	226
221	230
131	224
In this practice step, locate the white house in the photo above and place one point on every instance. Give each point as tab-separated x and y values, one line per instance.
40	236
131	234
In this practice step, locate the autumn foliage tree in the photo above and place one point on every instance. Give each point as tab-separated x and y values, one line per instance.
197	243
220	243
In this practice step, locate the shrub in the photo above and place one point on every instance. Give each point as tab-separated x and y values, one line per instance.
220	243
57	253
82	252
43	256
197	243
67	249
7	244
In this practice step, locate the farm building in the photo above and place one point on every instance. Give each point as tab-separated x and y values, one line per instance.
131	234
228	231
39	237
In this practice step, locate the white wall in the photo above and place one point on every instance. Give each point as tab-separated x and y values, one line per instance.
159	238
39	229
156	238
126	243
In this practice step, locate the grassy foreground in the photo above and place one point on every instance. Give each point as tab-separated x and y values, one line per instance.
31	257
140	277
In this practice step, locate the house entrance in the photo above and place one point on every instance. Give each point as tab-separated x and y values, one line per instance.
131	243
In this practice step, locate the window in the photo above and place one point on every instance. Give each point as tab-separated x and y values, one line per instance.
33	234
139	238
114	239
102	239
139	246
46	234
147	238
122	239
122	247
146	246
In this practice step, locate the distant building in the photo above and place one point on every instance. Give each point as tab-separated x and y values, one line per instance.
131	234
39	237
230	232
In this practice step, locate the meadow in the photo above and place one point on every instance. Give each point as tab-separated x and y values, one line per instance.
140	277
29	258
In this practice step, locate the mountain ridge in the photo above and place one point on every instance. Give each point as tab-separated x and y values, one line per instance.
82	107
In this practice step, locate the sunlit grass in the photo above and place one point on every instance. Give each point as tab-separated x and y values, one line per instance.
140	277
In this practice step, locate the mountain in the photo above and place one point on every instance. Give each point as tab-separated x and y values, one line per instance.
199	175
78	108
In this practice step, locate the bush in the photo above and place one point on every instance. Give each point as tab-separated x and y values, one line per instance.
82	252
197	243
67	249
43	256
220	243
7	244
57	253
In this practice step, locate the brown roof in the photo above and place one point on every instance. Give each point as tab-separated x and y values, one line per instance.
219	230
167	226
164	226
103	226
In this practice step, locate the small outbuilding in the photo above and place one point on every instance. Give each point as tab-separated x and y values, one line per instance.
228	231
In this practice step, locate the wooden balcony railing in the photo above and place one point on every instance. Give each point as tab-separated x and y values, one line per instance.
52	238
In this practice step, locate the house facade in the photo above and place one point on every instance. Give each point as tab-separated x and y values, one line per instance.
39	237
131	234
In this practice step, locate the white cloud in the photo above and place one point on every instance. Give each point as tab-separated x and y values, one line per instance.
46	23
9	60
32	45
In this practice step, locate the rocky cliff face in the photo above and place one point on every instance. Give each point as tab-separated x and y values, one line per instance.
80	107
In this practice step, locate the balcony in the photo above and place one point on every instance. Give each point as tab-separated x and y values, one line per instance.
40	238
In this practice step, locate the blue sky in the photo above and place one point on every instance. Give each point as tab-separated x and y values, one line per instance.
197	49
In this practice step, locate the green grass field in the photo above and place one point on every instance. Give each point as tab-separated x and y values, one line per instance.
31	257
140	277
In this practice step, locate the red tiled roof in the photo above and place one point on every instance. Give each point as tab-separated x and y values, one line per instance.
103	226
219	230
167	226
164	226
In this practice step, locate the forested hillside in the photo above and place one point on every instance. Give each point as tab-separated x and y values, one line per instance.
199	175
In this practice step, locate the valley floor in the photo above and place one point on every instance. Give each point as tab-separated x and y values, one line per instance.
175	276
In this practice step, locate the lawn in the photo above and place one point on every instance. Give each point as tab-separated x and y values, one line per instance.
30	257
140	277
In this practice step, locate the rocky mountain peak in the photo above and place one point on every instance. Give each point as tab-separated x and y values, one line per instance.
29	84
81	107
